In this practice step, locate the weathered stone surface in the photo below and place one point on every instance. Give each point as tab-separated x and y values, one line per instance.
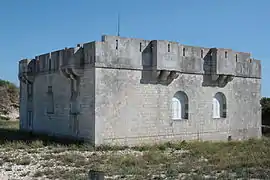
119	90
128	109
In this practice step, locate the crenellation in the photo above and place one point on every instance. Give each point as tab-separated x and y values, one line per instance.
167	55
67	54
203	52
249	68
32	69
43	61
56	58
225	62
196	53
117	52
23	65
89	52
112	39
186	51
26	71
242	56
191	60
256	69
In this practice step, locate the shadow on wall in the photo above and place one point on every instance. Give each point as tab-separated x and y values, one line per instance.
15	135
150	74
210	79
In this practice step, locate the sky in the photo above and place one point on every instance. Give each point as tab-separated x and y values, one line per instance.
32	27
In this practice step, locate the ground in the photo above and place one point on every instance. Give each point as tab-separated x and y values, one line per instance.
25	157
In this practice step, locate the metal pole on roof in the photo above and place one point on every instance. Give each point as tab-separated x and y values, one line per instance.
118	25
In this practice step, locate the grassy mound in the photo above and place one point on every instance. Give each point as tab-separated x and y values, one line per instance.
9	99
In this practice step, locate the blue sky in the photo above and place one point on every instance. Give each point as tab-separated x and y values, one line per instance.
32	27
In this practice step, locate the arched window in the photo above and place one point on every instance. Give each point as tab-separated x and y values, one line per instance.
219	106
179	106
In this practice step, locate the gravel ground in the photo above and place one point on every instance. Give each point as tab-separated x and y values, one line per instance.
65	163
41	163
43	159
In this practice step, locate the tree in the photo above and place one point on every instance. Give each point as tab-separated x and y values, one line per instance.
265	103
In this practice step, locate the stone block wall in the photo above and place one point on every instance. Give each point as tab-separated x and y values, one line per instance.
143	108
119	90
128	112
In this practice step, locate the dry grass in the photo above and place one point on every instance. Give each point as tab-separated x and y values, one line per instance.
192	160
6	124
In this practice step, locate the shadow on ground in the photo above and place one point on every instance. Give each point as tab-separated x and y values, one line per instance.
13	135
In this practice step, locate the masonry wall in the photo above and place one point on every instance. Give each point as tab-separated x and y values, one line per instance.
56	111
56	123
23	106
87	105
60	122
23	66
132	109
130	112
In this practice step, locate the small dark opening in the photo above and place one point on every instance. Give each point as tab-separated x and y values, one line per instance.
140	47
169	47
229	138
49	89
184	51
226	54
116	44
50	64
201	53
236	58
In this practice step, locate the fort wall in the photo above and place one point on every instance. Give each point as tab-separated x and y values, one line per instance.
131	113
119	90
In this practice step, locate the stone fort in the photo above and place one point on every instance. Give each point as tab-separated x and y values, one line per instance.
130	91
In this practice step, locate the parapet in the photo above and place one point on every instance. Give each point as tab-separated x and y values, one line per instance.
234	63
140	54
27	70
52	62
23	65
121	52
249	68
131	53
